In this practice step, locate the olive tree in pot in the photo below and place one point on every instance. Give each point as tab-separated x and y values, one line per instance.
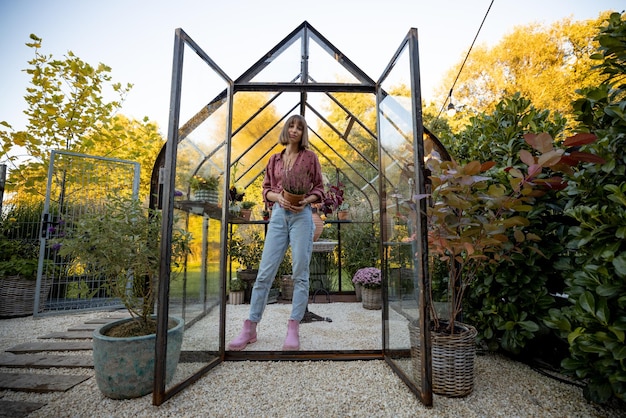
475	218
120	242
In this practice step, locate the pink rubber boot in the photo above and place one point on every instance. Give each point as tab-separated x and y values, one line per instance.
292	342
247	336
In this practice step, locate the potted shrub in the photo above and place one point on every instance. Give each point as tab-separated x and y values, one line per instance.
370	281
121	244
475	220
205	188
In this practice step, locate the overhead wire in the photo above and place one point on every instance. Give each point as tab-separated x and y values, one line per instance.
463	64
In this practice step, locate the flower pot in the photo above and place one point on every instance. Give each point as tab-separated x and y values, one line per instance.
286	287
452	359
319	226
245	214
358	291
372	298
124	367
272	297
248	276
343	215
236	297
209	196
294	199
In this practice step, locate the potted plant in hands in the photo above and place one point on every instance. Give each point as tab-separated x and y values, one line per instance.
121	244
205	188
296	184
370	280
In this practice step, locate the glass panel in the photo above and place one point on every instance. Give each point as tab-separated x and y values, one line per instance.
202	153
397	135
284	65
324	66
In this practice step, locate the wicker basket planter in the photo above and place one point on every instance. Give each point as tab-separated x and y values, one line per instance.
358	291
17	295
236	297
372	298
452	359
286	287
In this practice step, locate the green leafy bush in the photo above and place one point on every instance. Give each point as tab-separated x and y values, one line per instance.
594	322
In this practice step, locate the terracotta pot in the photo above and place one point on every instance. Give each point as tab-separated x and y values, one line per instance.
245	214
343	215
319	226
294	199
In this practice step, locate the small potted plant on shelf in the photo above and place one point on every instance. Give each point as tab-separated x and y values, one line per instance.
343	213
246	209
370	280
120	243
333	198
235	199
265	214
205	188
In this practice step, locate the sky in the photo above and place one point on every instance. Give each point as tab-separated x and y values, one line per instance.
136	37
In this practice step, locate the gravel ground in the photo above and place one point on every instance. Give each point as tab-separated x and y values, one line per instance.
503	388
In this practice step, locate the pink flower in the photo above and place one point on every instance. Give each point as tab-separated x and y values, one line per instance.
369	277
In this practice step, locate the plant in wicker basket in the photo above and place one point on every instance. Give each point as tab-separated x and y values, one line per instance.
476	220
19	259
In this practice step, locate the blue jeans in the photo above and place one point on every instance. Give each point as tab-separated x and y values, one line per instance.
285	228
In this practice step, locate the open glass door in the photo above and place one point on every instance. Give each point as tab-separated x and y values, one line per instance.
403	225
197	145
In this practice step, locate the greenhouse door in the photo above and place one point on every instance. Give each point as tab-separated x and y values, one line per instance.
406	342
195	291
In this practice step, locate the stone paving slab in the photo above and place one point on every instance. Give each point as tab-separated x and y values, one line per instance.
39	383
39	361
36	347
68	335
17	409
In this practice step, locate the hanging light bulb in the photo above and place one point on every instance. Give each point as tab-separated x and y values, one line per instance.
451	109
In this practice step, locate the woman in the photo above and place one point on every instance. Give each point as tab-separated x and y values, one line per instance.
290	225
